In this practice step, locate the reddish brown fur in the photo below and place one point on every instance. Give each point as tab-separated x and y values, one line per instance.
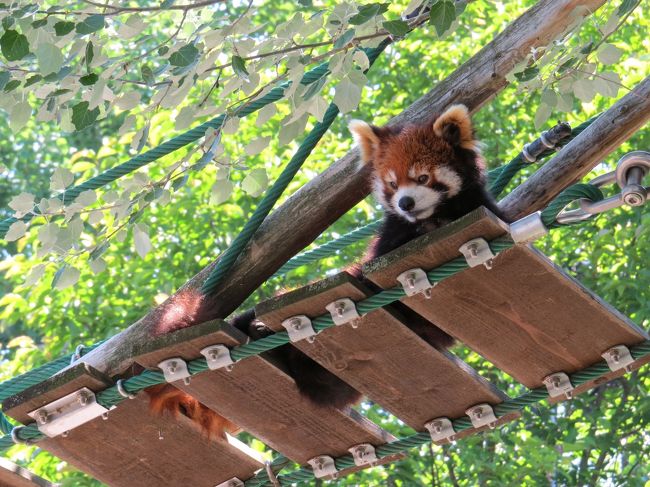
167	399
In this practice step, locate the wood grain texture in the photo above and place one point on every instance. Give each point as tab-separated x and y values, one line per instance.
263	400
323	200
382	358
12	475
125	450
582	154
525	315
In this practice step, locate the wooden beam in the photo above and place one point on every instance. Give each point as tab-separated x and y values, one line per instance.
324	199
580	155
12	475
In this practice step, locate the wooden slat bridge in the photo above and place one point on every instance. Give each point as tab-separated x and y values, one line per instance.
525	315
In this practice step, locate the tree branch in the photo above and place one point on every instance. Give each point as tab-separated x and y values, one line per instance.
185	8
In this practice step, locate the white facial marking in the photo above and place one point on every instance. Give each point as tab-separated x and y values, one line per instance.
378	191
425	198
450	178
392	176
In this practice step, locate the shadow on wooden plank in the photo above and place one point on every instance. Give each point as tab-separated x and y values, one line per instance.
382	357
125	450
262	399
525	315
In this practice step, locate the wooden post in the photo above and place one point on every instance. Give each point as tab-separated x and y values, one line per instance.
580	155
323	200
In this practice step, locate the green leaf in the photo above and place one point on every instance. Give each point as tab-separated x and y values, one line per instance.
39	23
65	277
12	85
62	28
89	79
90	24
367	12
163	50
239	66
398	28
167	3
33	79
147	75
441	16
5	76
14	45
50	58
344	39
255	182
90	54
185	56
527	74
609	54
82	117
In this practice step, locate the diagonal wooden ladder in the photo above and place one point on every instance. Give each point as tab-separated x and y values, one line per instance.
525	315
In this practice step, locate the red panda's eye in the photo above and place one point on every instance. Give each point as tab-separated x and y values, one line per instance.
393	184
423	179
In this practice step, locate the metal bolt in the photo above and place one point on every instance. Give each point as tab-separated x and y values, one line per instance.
478	412
83	398
615	356
340	308
65	434
186	381
472	249
410	280
172	367
427	293
105	416
42	416
437	427
296	324
214	355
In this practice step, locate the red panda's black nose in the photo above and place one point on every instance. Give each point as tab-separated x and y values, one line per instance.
406	203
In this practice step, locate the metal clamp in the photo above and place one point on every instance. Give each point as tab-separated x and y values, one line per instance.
67	412
477	251
549	139
528	228
218	357
415	281
363	454
482	415
299	328
343	311
558	384
630	171
619	357
122	390
233	482
175	369
441	430
77	354
323	466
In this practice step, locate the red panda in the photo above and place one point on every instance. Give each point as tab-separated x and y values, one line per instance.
424	176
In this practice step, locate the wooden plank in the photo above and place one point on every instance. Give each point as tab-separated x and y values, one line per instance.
382	357
12	475
262	399
125	450
525	315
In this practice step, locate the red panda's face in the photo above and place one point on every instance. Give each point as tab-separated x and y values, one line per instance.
417	168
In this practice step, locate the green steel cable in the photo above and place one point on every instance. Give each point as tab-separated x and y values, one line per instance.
228	258
569	195
329	248
500	177
172	145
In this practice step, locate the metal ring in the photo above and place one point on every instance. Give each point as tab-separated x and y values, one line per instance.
639	158
548	144
123	392
271	474
77	354
17	439
527	155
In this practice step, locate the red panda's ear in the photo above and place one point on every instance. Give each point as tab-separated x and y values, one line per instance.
455	126
366	136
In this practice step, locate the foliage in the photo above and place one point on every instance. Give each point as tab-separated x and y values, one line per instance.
84	86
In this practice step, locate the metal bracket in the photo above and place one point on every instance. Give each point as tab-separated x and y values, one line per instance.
363	454
415	281
441	430
218	357
477	251
619	357
558	384
482	415
233	482
299	327
323	466
67	412
343	311
175	369
528	228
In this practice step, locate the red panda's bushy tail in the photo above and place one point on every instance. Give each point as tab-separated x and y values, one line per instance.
165	398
